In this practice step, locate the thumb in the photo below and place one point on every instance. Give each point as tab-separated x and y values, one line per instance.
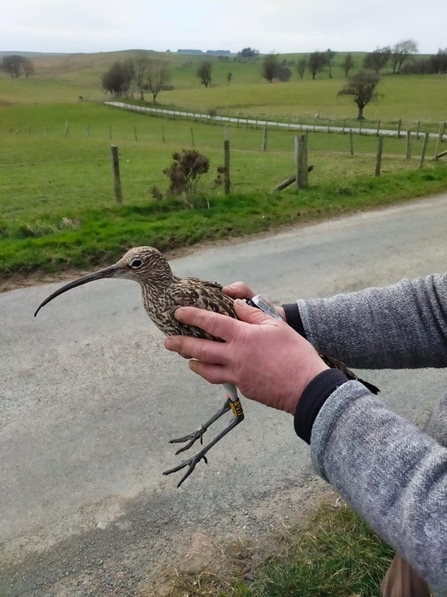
250	314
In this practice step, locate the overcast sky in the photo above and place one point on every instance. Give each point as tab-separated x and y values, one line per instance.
267	25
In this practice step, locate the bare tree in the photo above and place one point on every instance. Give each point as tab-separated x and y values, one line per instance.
156	77
317	61
28	67
347	63
330	55
377	60
15	64
270	67
362	86
284	73
204	73
140	66
118	78
401	52
301	66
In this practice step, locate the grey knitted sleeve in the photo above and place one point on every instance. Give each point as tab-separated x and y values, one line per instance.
394	476
399	326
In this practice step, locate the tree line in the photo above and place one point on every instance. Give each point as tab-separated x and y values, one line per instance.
150	75
16	65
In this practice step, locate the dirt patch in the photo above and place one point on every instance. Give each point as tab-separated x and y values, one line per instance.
164	549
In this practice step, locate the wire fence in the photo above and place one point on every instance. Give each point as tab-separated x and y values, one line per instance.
48	167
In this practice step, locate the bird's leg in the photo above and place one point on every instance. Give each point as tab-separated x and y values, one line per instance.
232	403
191	438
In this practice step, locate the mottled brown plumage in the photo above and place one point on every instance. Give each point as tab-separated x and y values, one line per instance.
163	293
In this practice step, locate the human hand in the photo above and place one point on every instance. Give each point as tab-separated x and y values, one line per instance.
264	357
240	290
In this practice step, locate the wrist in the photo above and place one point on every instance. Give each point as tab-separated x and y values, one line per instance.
315	394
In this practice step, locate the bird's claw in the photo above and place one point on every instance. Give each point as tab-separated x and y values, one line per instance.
190	463
191	438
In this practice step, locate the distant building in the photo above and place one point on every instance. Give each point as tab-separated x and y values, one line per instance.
189	52
208	52
219	52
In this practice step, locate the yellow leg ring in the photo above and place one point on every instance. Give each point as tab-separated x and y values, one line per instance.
236	408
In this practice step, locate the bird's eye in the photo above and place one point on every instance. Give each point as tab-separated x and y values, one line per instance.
136	263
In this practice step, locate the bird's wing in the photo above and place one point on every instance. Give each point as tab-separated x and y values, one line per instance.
193	292
208	295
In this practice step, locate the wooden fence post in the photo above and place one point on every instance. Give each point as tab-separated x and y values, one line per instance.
227	183
343	127
66	129
399	126
351	141
192	138
424	147
264	139
418	130
116	174
379	156
408	145
163	134
301	178
135	132
439	139
378	128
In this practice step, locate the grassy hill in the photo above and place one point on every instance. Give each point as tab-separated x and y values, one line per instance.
64	78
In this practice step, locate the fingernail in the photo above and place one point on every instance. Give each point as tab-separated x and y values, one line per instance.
240	302
179	312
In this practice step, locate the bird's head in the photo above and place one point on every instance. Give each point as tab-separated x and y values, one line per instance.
145	265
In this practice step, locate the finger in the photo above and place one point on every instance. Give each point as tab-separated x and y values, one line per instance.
215	374
238	290
208	351
251	314
217	325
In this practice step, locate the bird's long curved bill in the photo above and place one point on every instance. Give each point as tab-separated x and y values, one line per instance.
107	272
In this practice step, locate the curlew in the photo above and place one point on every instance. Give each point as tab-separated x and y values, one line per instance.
163	293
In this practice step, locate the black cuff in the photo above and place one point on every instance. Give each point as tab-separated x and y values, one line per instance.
314	396
293	318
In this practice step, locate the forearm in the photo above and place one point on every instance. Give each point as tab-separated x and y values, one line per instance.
392	474
399	326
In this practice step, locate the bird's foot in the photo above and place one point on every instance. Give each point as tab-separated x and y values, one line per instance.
190	463
201	454
191	438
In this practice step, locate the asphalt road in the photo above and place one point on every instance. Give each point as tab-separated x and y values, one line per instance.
89	399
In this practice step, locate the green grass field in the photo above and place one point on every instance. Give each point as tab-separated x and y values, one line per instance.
58	208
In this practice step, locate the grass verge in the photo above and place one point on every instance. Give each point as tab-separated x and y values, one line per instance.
334	555
88	237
